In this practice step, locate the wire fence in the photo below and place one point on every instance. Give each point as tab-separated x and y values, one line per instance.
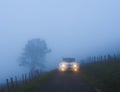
13	83
102	59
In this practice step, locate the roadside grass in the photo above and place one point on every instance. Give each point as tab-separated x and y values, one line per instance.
35	84
105	76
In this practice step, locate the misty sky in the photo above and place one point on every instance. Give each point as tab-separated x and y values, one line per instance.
71	28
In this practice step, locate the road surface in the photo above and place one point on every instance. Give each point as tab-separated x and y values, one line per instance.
67	82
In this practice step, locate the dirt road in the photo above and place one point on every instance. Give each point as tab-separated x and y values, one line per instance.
67	82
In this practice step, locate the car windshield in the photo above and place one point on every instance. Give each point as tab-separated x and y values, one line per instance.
69	60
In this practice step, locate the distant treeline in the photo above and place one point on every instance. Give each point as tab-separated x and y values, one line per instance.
103	72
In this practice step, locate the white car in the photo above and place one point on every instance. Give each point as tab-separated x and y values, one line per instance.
69	64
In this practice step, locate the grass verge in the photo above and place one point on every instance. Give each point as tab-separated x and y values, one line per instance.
105	76
35	84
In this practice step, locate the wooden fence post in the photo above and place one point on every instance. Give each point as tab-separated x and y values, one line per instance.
23	78
29	76
8	85
16	81
12	84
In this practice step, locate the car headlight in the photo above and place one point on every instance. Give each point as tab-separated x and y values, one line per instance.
75	69
62	69
62	66
75	65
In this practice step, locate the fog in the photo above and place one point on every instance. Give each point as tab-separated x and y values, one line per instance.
71	28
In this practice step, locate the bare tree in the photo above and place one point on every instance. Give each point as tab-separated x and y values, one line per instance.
34	54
